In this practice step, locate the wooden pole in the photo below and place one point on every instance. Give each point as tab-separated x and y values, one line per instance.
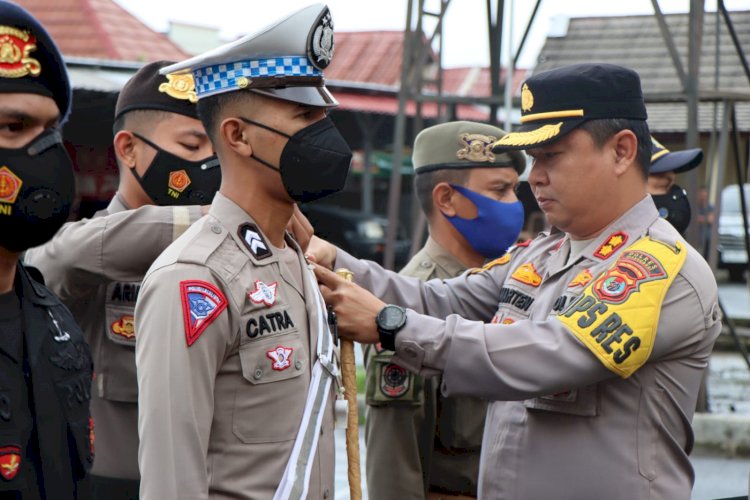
349	376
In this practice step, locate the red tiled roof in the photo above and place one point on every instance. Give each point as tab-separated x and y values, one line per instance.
101	29
374	57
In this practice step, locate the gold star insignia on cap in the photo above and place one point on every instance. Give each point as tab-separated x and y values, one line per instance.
180	87
477	148
15	46
527	98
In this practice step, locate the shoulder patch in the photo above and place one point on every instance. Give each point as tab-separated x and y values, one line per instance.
500	261
202	302
613	243
617	314
254	240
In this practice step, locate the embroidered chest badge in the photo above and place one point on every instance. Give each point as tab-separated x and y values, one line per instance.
281	357
124	327
264	294
613	243
581	279
527	274
10	461
202	302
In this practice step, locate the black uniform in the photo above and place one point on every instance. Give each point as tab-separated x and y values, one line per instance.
46	434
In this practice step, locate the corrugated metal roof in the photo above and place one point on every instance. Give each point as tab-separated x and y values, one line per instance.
636	42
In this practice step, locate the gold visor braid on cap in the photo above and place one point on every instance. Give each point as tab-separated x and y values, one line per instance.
567	113
531	137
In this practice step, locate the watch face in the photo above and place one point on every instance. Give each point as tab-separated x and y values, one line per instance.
391	317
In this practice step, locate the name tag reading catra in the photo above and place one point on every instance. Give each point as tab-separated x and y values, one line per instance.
617	314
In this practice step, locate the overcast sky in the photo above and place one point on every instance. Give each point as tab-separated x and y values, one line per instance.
465	24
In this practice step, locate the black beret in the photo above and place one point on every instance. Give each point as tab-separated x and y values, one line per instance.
556	101
147	89
30	62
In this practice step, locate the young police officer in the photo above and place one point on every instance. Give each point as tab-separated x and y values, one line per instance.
45	364
425	444
606	322
235	360
96	265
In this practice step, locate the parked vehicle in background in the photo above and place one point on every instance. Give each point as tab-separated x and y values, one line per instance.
362	235
731	247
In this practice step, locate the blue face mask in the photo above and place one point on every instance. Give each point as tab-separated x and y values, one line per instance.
496	226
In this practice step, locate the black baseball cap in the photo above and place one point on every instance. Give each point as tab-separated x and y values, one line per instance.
31	62
556	101
664	160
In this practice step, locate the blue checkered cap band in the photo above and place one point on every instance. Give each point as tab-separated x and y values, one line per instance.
220	78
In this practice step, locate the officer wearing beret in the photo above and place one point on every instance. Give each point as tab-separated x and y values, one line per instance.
603	326
167	170
427	445
236	366
46	447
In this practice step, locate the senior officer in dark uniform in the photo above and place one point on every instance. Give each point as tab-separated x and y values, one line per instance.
427	445
45	364
607	321
96	265
235	361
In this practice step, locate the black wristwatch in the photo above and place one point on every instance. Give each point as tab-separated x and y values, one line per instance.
390	320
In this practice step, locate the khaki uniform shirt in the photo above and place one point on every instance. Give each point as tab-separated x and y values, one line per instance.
417	438
225	351
95	266
564	422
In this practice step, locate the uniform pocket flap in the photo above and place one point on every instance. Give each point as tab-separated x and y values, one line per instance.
273	359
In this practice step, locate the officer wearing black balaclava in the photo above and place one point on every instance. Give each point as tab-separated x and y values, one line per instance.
670	198
46	436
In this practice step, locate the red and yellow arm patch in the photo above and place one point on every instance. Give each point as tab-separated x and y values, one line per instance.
617	314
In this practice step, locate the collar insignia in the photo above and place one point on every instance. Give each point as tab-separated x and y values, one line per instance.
254	241
180	87
476	148
527	274
582	279
613	243
264	294
15	46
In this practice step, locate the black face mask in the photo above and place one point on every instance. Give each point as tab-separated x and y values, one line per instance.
314	162
674	207
37	186
171	180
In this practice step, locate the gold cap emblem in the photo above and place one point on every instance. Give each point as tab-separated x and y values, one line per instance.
527	98
15	46
477	148
180	87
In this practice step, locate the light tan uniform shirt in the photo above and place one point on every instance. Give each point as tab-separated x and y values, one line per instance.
416	437
95	266
223	377
562	424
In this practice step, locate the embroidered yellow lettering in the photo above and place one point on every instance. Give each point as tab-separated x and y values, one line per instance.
617	314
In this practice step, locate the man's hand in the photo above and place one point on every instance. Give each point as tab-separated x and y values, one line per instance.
321	252
300	228
354	306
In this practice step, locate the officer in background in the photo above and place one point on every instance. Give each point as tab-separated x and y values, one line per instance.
235	360
96	265
46	446
607	321
425	444
671	199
